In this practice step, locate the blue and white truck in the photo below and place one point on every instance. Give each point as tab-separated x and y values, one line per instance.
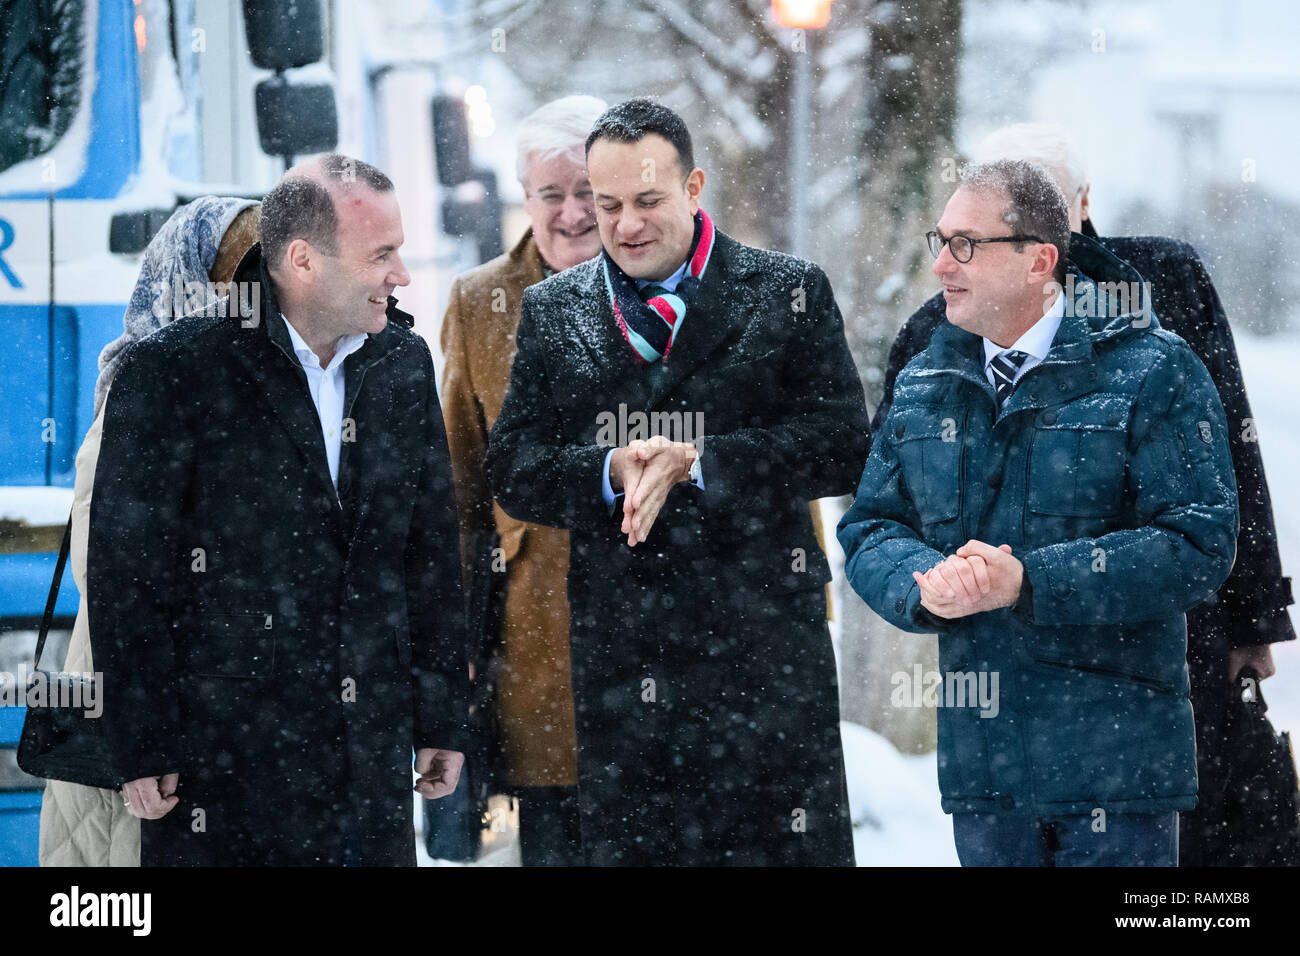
113	112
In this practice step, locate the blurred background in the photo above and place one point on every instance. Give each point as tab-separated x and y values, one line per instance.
829	129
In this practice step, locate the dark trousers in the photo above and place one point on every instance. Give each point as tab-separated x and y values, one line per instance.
1025	839
1204	838
549	833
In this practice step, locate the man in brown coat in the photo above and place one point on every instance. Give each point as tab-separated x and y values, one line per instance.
524	660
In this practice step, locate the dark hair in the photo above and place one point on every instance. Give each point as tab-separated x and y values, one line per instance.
1035	204
302	208
631	120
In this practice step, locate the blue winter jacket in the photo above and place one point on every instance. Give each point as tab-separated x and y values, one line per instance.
1108	472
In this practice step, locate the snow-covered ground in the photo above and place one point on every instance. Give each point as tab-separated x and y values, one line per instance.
894	803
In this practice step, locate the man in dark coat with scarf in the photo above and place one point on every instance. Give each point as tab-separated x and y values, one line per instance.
709	386
1236	627
1050	492
275	600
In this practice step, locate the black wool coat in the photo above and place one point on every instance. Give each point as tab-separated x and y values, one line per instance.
704	681
280	646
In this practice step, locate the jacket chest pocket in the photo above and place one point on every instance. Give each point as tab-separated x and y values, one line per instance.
929	442
1079	461
228	645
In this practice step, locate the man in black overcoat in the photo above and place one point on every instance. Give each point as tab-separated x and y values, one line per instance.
1237	628
676	403
274	590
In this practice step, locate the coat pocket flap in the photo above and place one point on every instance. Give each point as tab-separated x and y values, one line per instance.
1105	674
1079	458
934	422
929	440
227	645
1094	412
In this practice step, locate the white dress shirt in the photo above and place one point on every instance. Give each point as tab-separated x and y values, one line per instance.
606	489
326	386
1035	343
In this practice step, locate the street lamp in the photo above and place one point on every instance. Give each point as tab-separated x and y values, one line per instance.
800	15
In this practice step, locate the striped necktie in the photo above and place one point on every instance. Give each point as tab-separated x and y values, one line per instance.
1005	365
652	290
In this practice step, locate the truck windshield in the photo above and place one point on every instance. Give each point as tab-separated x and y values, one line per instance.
40	75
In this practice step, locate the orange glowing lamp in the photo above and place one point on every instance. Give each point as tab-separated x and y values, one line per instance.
802	14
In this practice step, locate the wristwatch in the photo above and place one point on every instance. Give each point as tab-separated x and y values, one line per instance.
694	473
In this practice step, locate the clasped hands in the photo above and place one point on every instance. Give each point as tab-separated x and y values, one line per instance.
646	471
978	577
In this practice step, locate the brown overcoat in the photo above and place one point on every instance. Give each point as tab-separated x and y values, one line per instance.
530	663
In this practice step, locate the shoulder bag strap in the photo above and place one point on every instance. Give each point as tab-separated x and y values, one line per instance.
54	593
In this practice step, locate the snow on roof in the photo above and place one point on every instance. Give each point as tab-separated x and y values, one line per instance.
35	507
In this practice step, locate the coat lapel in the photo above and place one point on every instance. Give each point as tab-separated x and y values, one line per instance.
361	469
615	370
721	307
525	262
955	352
268	358
355	367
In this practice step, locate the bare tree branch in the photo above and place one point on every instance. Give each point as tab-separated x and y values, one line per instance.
724	58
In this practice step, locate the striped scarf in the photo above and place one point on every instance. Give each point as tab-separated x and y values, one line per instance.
651	317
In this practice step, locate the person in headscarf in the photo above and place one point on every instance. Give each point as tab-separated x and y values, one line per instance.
185	267
202	241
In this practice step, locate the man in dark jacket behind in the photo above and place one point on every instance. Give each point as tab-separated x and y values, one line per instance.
1236	627
1050	492
703	677
275	600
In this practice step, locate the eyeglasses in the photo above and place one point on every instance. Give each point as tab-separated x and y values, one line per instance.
963	247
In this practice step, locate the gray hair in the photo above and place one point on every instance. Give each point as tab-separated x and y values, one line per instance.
1047	144
1035	204
556	128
